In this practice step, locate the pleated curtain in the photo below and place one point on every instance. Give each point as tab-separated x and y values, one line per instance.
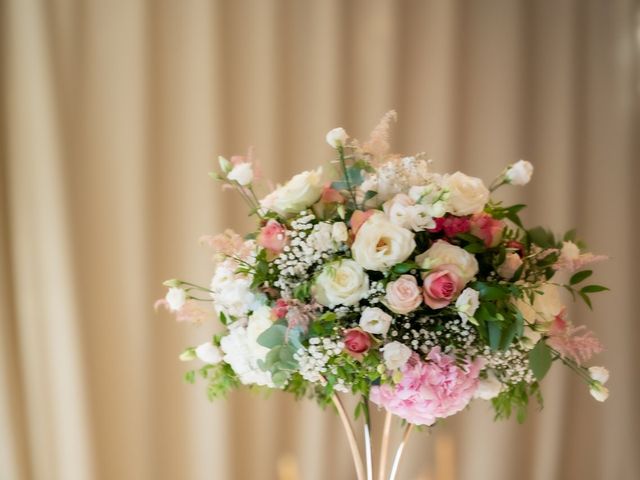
113	112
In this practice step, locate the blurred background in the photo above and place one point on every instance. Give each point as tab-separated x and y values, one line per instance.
113	113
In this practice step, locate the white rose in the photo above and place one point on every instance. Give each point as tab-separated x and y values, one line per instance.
375	320
303	190
241	173
443	253
341	283
599	374
209	353
339	232
380	244
599	392
508	268
488	388
467	194
337	137
176	298
396	355
403	211
467	304
519	173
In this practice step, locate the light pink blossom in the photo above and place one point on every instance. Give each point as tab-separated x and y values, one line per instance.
431	389
576	343
190	312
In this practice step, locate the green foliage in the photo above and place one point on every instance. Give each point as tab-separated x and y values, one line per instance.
511	213
516	398
222	379
580	276
540	359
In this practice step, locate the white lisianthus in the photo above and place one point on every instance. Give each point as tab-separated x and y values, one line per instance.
380	244
443	253
302	191
337	137
599	374
241	173
508	268
243	352
341	283
403	211
375	320
231	291
488	388
519	173
467	195
599	391
467	304
209	353
176	298
339	232
431	196
395	355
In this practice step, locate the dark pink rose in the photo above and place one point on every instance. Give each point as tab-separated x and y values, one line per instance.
356	341
451	225
439	287
487	228
273	237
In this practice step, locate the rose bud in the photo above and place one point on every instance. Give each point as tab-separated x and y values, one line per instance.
356	342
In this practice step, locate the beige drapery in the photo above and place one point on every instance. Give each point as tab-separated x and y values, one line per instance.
112	114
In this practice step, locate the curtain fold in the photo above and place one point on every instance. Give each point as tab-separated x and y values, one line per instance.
111	115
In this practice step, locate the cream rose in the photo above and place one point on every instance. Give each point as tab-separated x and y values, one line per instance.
467	195
403	295
302	191
545	308
341	283
380	244
443	253
375	320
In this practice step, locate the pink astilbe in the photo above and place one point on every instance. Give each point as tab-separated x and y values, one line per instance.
227	244
581	261
437	388
301	314
575	343
190	312
378	143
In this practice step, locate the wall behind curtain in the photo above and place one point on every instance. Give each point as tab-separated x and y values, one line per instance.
112	114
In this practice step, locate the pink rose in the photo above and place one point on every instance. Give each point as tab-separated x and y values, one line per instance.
440	286
331	195
487	228
403	295
273	237
358	218
356	341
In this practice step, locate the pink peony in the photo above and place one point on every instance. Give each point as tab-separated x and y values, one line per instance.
403	295
273	237
356	341
440	286
437	388
487	228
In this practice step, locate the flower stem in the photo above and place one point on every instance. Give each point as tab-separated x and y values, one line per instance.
396	459
384	446
367	437
351	438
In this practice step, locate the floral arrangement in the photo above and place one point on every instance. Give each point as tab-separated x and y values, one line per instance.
411	289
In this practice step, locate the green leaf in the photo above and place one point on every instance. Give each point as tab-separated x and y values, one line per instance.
369	194
495	334
593	289
405	267
570	236
586	299
223	319
580	276
475	248
490	292
190	376
540	360
273	336
542	237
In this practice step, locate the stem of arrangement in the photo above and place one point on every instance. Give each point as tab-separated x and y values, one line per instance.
345	174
